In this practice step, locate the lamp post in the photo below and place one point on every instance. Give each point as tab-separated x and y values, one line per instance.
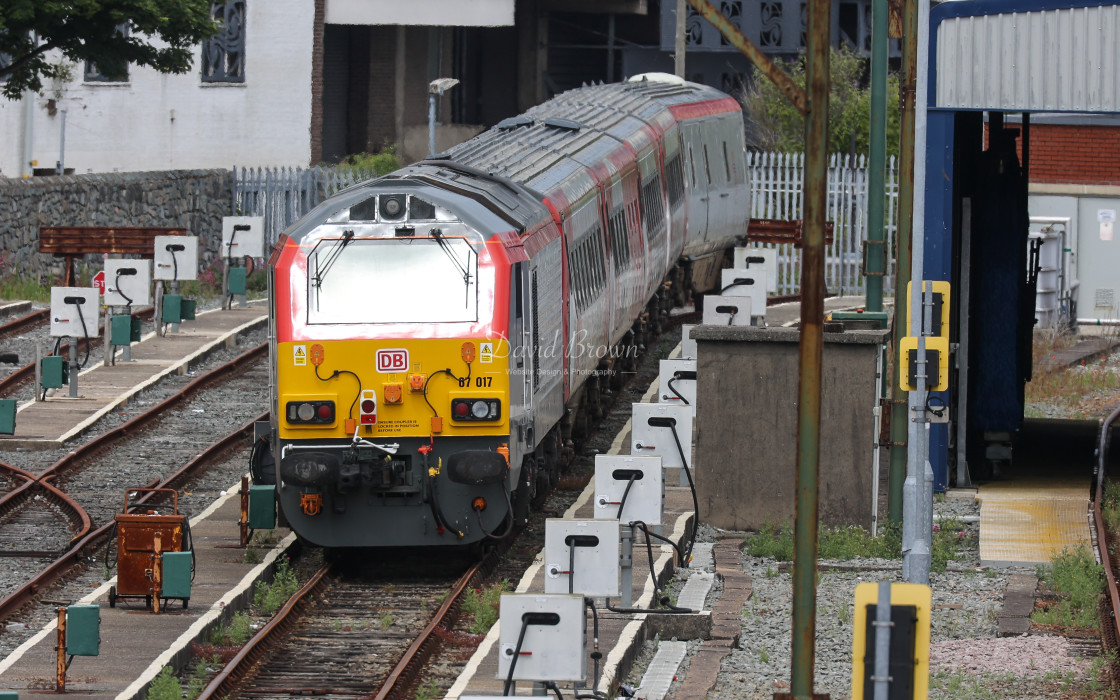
436	88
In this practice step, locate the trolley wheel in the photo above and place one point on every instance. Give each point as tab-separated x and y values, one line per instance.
185	603
112	596
148	602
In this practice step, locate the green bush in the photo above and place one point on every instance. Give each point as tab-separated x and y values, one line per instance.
165	686
482	605
1079	582
270	597
382	163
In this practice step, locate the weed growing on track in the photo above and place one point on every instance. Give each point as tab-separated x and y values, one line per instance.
236	633
165	686
269	597
429	691
482	605
1078	580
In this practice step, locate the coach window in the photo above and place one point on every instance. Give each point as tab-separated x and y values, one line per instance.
223	56
378	280
726	162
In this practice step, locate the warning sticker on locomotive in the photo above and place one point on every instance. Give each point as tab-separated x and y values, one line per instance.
486	353
299	355
397	426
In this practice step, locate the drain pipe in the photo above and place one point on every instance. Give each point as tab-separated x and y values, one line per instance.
1098	321
28	132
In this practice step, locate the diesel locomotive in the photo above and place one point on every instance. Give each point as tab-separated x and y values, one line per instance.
441	334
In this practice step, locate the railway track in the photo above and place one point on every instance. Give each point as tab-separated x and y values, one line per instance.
144	452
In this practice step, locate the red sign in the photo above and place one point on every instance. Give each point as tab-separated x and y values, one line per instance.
99	282
395	360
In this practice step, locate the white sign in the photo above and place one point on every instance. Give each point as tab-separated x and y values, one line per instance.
1108	215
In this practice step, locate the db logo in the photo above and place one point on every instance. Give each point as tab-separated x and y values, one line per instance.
395	360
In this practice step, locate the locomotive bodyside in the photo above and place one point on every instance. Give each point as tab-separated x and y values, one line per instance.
441	334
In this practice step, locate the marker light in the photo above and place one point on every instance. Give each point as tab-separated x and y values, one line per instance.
305	411
479	409
461	410
476	409
325	412
368	406
316	411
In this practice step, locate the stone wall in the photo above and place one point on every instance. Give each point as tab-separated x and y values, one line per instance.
194	199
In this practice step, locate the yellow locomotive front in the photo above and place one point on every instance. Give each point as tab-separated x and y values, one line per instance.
391	390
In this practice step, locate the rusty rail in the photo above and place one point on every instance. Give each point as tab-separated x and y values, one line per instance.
23	595
18	325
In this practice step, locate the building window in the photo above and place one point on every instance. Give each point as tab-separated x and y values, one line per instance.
95	73
223	57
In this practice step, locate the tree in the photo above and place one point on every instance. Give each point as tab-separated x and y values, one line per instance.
777	126
160	33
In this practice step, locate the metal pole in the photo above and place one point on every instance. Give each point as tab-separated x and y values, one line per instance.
812	340
61	169
626	565
902	261
60	661
431	124
25	168
918	494
679	50
74	365
881	677
874	265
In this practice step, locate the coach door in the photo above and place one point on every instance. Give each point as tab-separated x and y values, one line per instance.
696	182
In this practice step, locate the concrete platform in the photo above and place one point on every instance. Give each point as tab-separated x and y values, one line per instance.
136	643
43	425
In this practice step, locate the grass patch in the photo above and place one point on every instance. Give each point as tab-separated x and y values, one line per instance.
852	542
482	606
19	287
269	597
236	633
1110	506
165	686
1064	388
1078	581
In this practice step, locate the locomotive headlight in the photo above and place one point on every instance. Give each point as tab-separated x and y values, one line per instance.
479	409
305	411
471	410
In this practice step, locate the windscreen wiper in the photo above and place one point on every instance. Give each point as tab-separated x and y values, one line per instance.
331	257
438	235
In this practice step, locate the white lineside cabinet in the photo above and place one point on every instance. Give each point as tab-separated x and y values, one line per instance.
727	311
653	428
750	283
746	257
555	643
176	257
242	236
590	548
682	374
74	312
128	281
646	498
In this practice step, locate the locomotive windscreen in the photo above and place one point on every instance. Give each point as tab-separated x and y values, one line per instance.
400	280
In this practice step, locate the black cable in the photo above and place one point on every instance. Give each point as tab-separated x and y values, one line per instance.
692	487
670	609
551	685
335	374
516	654
645	528
625	493
509	524
595	653
117	284
462	381
85	332
670	387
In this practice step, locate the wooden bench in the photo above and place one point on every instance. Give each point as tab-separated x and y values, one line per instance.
783	231
75	241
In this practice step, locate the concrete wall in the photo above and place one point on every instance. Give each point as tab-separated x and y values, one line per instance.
164	122
196	200
746	414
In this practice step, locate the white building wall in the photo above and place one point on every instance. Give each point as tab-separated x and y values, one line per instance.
161	122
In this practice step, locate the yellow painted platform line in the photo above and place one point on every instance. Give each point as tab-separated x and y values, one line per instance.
1028	521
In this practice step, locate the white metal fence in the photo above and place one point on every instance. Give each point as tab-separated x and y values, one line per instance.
282	195
778	178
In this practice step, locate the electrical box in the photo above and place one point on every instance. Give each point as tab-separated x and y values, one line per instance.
187	307
7	416
727	311
653	430
554	647
128	282
74	312
172	311
235	280
754	259
748	283
242	236
83	630
124	330
939	293
688	345
176	577
262	506
937	364
13	695
581	556
176	257
909	646
54	372
676	383
645	501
